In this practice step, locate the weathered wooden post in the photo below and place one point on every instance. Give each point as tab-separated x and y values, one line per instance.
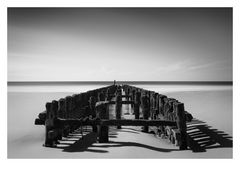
61	115
74	103
61	110
70	110
81	100
104	94
127	91
78	100
152	105
108	95
66	129
92	106
181	124
51	133
161	104
79	106
166	108
56	132
85	99
172	114
101	96
156	105
137	103
48	125
133	95
68	106
145	110
102	113
118	108
149	101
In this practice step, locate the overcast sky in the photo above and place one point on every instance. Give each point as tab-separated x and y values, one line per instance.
97	44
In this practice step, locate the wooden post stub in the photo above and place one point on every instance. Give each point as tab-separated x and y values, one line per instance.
74	101
133	95
67	106
61	109
119	90
66	129
56	129
181	124
156	105
51	132
102	113
78	100
145	110
152	105
48	125
166	108
118	108
101	96
92	106
108	95
127	93
137	103
161	105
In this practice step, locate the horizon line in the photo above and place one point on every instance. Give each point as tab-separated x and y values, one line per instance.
120	82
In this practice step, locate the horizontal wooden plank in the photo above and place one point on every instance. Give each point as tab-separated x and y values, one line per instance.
126	96
127	102
138	122
114	122
123	102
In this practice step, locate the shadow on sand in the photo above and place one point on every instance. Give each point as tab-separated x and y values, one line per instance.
131	144
202	137
86	143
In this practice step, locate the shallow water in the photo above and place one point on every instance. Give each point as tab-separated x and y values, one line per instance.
78	88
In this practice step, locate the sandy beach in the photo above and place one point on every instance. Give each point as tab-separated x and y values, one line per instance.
210	133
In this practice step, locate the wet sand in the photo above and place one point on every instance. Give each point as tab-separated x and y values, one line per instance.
209	134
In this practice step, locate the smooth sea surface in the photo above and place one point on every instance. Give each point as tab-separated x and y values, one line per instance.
78	87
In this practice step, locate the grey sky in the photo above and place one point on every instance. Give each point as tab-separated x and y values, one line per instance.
98	44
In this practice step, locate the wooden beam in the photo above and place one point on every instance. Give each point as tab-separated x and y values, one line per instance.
138	122
123	102
126	96
114	122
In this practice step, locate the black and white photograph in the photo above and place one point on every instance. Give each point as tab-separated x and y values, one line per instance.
120	82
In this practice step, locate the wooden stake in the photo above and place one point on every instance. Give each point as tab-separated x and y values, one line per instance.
181	124
92	104
48	125
145	110
118	108
102	113
137	104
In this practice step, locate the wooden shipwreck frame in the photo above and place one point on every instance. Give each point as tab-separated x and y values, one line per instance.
158	113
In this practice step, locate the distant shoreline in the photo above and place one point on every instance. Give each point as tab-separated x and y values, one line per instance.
38	83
